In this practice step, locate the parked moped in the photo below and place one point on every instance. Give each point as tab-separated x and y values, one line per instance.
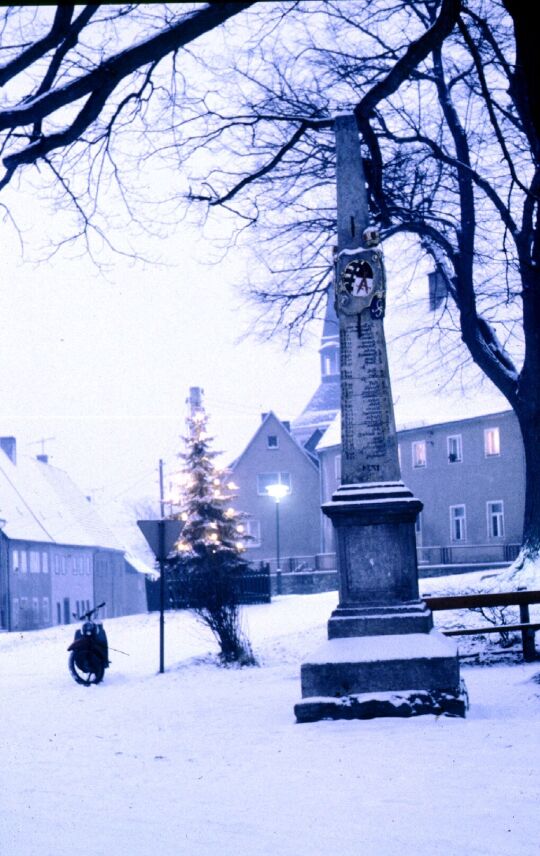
89	651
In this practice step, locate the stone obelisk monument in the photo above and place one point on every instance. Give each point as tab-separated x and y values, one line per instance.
382	656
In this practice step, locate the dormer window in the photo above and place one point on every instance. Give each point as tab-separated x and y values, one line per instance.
272	441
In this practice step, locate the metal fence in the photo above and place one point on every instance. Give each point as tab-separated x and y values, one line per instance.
467	554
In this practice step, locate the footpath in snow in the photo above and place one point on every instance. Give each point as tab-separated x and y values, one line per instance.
205	761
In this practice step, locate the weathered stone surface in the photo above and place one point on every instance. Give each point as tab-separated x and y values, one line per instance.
371	664
380	620
369	706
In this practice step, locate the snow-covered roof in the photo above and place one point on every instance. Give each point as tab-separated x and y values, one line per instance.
322	406
41	503
332	435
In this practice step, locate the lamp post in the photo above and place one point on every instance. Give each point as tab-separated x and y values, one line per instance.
277	492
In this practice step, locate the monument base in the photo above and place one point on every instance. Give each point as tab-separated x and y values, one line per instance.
346	677
381	620
374	705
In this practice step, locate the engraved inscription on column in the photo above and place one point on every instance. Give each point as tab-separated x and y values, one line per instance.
369	442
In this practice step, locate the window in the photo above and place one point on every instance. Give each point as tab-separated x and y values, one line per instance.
330	362
337	468
253	531
399	454
272	441
418	526
15	617
45	610
15	563
458	529
419	453
35	610
264	480
453	444
495	519
45	563
33	557
23	561
58	613
492	442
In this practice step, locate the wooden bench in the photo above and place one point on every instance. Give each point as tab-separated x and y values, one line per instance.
510	598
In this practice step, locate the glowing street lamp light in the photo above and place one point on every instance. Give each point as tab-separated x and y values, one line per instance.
277	492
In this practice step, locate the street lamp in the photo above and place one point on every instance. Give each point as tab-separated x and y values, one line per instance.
277	492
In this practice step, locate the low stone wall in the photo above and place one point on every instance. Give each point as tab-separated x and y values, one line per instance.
305	582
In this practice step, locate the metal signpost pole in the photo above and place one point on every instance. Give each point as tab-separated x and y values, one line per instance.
161	559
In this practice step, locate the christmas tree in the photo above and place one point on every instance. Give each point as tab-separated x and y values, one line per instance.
209	555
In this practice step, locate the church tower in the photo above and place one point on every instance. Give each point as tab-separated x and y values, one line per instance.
324	405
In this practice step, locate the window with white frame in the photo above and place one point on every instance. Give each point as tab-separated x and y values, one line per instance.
419	453
337	468
495	519
272	441
252	529
458	523
330	362
454	446
264	480
492	442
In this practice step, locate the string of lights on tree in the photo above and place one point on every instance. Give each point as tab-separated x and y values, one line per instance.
204	494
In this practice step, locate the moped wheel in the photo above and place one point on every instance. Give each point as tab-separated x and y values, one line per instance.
82	676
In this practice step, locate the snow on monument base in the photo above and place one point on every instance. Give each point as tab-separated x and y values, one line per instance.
363	677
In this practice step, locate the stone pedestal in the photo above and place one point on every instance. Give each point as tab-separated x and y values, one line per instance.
383	657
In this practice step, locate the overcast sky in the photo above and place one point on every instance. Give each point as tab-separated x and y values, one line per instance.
104	365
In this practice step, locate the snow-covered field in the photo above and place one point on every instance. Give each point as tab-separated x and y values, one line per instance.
210	761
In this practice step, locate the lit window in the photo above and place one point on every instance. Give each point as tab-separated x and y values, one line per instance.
419	453
272	441
495	519
264	480
455	454
458	528
492	442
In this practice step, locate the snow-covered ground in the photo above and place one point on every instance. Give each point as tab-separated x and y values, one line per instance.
209	761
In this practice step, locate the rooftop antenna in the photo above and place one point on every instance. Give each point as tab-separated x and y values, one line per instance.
43	440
